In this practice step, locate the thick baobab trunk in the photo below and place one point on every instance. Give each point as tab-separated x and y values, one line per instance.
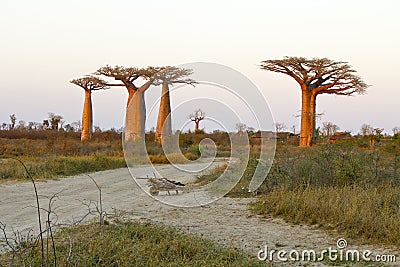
87	117
307	118
197	125
135	117
164	127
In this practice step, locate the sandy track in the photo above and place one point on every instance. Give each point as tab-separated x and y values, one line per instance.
227	221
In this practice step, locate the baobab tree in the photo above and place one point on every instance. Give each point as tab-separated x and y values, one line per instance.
316	76
89	84
197	116
135	116
168	76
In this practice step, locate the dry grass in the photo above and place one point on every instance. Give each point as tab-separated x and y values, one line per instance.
57	166
367	213
135	244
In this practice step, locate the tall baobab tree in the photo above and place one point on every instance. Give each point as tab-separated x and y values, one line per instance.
135	116
89	84
316	76
197	116
168	76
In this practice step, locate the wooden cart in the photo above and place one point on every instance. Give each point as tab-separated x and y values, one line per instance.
158	185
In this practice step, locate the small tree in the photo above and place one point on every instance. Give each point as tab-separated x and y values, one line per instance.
13	120
21	125
329	128
396	130
280	127
46	124
196	117
54	120
77	125
241	128
367	130
375	136
294	129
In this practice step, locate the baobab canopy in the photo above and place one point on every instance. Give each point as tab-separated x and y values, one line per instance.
172	75
316	76
320	75
135	107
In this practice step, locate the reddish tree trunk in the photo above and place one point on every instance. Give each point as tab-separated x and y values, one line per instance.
87	117
164	127
197	125
307	129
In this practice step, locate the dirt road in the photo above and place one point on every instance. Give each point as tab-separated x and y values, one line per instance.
227	221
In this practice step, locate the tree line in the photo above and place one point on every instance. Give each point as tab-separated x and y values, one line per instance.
314	76
52	122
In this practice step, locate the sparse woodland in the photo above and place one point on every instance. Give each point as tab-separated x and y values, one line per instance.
320	176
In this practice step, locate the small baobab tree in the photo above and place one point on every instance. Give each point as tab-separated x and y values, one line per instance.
168	76
197	116
135	116
89	84
316	76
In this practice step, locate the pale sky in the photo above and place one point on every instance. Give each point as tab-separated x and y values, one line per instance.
45	44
